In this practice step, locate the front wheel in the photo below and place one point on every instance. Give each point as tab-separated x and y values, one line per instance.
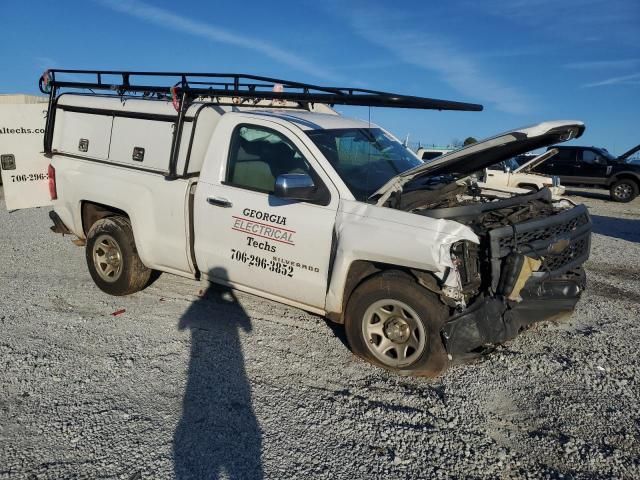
113	259
395	323
624	191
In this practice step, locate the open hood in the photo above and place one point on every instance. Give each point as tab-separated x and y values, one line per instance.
534	162
627	154
490	151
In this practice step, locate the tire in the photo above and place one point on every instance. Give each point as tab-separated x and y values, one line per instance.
624	190
393	322
112	257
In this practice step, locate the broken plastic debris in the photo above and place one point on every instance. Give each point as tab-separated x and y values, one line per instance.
118	312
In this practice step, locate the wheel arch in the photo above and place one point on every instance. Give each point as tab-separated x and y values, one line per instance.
362	270
527	185
91	212
625	176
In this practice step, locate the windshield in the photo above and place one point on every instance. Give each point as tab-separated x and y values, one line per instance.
510	163
365	158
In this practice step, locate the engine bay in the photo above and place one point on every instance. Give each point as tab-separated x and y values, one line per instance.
526	237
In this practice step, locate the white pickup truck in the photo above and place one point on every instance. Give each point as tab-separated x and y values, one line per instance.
509	174
260	185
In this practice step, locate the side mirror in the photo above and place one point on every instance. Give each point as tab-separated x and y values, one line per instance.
295	186
507	169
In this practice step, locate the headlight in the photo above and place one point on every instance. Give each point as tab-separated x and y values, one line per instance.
464	255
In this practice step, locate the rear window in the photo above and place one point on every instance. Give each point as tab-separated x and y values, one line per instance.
431	155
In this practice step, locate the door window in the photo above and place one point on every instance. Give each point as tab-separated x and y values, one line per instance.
258	155
591	157
565	156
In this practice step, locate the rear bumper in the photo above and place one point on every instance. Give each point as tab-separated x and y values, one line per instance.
493	320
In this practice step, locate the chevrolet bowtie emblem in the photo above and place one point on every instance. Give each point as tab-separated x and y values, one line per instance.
558	246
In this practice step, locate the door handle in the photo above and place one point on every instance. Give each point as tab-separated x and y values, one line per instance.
219	202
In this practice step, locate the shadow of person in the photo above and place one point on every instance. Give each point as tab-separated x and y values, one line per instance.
218	435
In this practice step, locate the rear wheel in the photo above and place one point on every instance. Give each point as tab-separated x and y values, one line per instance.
395	323
112	257
624	190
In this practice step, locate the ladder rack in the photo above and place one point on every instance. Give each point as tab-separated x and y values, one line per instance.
184	88
195	85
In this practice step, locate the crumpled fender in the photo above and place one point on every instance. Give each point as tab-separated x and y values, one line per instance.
394	237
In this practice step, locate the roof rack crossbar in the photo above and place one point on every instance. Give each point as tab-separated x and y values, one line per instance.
194	85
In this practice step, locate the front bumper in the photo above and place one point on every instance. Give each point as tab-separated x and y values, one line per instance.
553	290
493	320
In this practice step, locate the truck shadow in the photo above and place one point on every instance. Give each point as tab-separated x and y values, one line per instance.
623	228
218	435
603	195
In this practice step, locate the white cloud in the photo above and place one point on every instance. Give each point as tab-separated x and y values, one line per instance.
438	54
632	79
575	21
172	21
602	64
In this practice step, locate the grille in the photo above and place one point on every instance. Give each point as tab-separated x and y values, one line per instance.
549	232
576	249
537	235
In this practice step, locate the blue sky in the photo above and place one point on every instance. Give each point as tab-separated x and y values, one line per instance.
525	60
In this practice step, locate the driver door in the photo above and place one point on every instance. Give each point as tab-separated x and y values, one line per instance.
591	168
248	237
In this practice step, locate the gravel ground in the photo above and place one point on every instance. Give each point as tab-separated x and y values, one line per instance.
195	382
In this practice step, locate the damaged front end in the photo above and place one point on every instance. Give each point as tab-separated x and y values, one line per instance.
527	267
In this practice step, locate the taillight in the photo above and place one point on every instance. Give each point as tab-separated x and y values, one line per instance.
53	192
